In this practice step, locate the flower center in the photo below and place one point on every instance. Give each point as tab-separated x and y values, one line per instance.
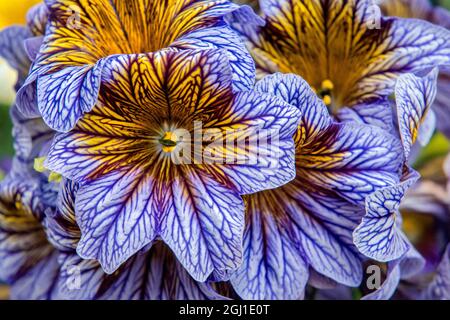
168	141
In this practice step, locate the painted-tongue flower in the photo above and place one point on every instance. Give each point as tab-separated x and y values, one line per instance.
308	223
124	153
345	50
82	38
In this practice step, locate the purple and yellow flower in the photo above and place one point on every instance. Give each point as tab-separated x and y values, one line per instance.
81	39
308	223
345	50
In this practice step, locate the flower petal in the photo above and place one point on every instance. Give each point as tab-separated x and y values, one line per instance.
268	160
414	97
81	36
32	137
273	267
379	236
181	85
352	159
297	92
39	283
64	96
324	224
203	225
61	226
223	37
24	249
439	288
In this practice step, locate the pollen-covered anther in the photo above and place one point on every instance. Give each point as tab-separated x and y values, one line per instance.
168	141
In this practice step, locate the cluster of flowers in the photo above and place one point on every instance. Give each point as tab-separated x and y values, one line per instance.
94	207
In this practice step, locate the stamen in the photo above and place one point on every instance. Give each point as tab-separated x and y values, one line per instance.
39	165
168	141
54	177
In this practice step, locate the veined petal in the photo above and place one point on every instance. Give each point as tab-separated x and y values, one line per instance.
203	225
61	226
323	224
27	260
302	229
353	160
140	93
32	137
419	9
154	274
117	216
170	83
414	97
389	285
273	267
379	236
439	288
22	239
40	282
37	18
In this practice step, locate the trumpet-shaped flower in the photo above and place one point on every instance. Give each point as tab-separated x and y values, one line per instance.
124	153
308	223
